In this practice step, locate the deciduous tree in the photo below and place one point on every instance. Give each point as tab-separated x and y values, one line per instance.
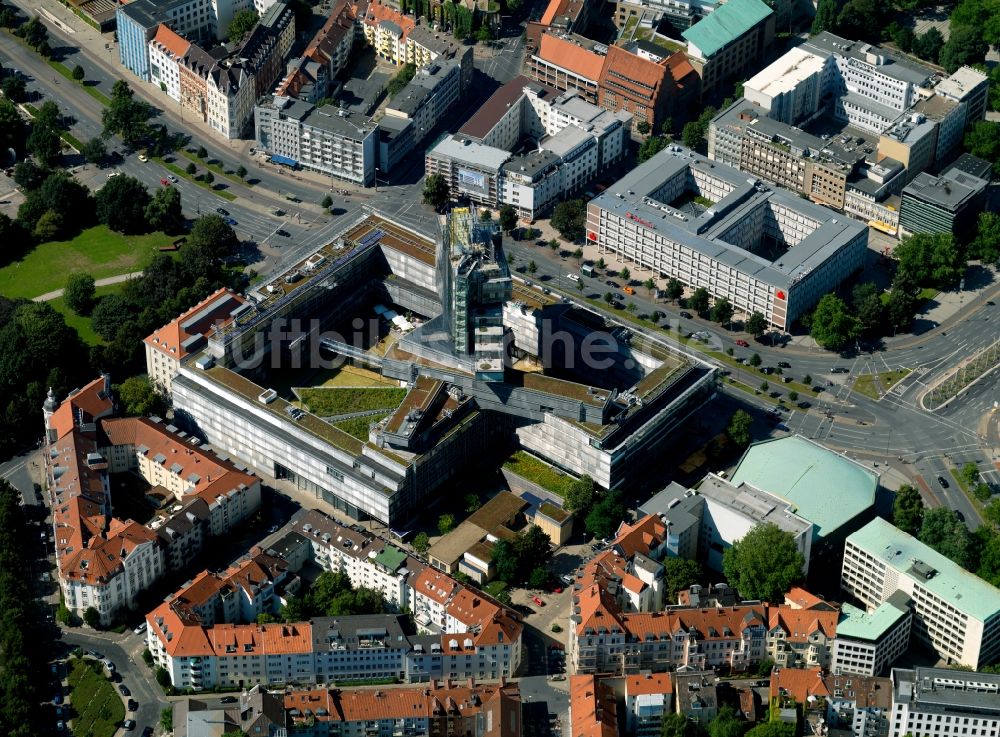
79	293
164	210
606	514
698	301
679	574
121	204
756	324
764	563
242	23
908	509
833	327
436	191
947	534
567	218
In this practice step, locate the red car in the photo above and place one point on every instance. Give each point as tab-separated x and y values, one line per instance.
742	343
165	182
557	590
538	601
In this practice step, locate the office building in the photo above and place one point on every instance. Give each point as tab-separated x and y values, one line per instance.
425	101
868	643
939	702
652	217
328	140
955	613
187	333
575	141
681	14
969	86
729	42
640	87
444	709
568	64
948	203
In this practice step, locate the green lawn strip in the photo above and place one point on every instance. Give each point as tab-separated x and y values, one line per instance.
762	395
329	401
96	94
922	296
217	168
61	68
72	141
82	324
358	426
495	588
97	708
536	471
97	251
173	168
869	384
959	480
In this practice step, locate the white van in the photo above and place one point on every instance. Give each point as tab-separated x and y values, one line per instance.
573	278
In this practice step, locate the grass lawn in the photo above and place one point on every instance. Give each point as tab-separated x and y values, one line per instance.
215	166
340	401
197	180
868	384
494	588
82	324
358	426
98	251
922	296
526	465
96	707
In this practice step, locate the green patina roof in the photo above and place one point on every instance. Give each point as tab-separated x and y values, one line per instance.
726	24
951	583
825	488
869	626
391	557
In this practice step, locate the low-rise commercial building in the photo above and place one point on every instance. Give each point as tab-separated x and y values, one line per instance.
729	42
955	613
653	217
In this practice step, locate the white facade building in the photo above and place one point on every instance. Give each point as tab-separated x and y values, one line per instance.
955	613
934	702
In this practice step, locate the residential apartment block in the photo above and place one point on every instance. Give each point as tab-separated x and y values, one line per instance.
648	698
310	76
255	712
938	702
104	562
650	218
858	705
955	613
328	140
729	42
592	707
398	38
443	708
166	347
468	634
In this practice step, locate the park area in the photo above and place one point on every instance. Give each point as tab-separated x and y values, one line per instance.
97	709
97	251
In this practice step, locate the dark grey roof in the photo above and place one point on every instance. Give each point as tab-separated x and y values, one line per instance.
973	165
949	191
532	163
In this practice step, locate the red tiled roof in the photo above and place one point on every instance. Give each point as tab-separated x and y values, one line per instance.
571	57
799	683
592	707
377	12
171	41
173	338
679	66
648	683
642	78
86	404
800	624
554	8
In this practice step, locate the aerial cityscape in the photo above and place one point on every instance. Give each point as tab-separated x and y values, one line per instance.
500	368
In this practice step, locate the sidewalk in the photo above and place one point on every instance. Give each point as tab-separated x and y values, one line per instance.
118	278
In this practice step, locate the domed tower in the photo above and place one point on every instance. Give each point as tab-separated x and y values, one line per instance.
49	406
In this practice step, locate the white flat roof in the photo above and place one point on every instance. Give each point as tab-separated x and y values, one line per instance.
785	73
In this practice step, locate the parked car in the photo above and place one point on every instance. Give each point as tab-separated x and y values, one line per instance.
568	580
165	182
784	364
628	290
128	725
222	211
143	158
559	677
612	284
538	601
742	343
839	370
133	705
228	699
231	222
686	315
113	174
172	178
140	629
123	690
284	233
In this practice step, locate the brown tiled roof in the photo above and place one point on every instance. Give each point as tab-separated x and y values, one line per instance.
593	708
498	104
799	683
171	41
640	76
571	57
649	683
86	404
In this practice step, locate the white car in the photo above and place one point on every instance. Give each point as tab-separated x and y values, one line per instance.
140	629
113	174
573	277
143	158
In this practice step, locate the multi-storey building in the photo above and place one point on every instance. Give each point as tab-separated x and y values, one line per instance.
935	702
255	712
651	217
443	709
858	705
567	64
308	77
187	333
166	50
250	587
648	698
729	42
328	140
592	707
955	613
105	562
576	140
417	109
948	203
868	643
637	86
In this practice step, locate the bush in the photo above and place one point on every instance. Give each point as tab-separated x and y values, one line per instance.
556	628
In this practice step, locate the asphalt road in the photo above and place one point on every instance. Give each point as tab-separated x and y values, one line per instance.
893	429
126	654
